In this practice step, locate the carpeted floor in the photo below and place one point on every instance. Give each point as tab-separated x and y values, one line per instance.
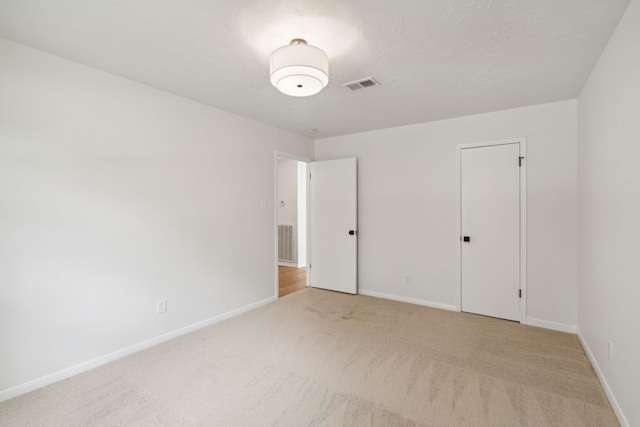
328	359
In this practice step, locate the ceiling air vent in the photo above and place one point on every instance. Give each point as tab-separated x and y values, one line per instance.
362	84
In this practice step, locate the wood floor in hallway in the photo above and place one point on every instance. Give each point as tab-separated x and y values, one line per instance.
291	279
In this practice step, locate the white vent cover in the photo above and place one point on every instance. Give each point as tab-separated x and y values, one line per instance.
366	83
286	244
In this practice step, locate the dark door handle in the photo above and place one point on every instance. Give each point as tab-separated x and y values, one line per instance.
352	232
466	238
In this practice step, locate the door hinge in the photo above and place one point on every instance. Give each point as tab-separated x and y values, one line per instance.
520	161
309	176
519	293
310	265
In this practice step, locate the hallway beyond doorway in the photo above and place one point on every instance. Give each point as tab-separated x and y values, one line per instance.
291	279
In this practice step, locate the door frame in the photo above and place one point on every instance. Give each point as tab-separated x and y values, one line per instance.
522	141
278	154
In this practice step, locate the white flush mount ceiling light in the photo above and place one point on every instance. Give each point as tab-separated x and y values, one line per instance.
299	69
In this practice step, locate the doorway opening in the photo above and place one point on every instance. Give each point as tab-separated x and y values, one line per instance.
291	223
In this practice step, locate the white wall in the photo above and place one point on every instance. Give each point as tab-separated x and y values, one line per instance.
609	212
288	201
292	190
113	195
407	205
288	192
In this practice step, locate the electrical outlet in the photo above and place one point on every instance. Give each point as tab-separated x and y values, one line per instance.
162	306
407	279
609	351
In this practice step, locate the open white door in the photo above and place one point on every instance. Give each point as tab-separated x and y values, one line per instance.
333	216
490	225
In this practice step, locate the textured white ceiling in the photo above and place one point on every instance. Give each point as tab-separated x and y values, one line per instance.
435	59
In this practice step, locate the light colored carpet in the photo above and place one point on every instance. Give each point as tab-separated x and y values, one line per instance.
328	359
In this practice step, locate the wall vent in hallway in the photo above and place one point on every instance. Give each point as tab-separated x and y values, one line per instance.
286	244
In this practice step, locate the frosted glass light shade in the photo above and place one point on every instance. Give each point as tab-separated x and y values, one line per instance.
299	69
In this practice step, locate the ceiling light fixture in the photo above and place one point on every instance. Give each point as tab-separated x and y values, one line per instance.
299	69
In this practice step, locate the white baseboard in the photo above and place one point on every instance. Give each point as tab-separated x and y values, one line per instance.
118	354
607	390
409	300
290	264
562	327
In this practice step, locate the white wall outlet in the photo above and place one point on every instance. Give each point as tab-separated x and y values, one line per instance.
161	306
609	351
407	279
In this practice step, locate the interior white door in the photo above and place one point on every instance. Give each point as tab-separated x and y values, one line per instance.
333	216
490	214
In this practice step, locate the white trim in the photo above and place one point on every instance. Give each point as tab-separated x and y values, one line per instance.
408	300
491	143
522	143
523	230
562	327
291	157
118	354
607	390
275	214
308	266
459	228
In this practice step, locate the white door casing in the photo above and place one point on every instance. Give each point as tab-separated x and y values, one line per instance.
491	213
333	216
